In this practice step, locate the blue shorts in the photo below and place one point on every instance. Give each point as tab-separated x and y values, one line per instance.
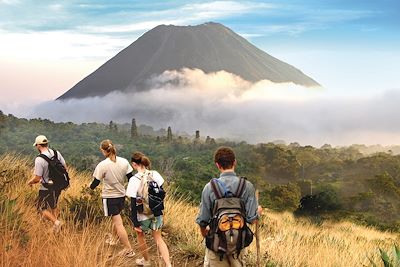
153	224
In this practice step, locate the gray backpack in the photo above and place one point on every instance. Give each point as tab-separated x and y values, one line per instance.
229	233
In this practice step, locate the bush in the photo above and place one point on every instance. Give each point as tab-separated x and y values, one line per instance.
285	197
86	207
324	201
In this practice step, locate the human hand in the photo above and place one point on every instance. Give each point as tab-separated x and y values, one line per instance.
259	210
204	231
138	229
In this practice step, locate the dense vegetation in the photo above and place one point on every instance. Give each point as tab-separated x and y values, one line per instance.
325	182
285	241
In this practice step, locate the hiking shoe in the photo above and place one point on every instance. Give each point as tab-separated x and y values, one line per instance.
142	262
129	253
57	227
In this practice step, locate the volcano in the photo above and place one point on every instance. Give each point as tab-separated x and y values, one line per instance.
210	47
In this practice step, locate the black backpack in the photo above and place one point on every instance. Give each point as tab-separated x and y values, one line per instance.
229	233
58	175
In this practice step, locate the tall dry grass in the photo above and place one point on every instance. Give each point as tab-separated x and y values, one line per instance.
26	240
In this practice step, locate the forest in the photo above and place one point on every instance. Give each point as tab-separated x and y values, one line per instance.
353	183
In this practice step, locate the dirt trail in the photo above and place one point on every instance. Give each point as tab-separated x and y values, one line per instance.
178	257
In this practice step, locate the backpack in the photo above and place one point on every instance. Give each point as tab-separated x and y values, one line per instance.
58	175
229	233
152	196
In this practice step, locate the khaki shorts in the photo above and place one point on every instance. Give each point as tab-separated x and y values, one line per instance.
212	259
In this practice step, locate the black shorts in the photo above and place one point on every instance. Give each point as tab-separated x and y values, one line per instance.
113	206
48	199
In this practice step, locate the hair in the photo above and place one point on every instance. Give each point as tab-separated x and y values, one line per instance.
141	159
109	148
225	157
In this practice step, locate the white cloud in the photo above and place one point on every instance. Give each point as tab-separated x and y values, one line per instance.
59	45
56	7
184	15
223	105
219	9
133	27
9	2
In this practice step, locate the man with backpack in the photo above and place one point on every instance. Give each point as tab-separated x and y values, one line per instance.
227	205
50	171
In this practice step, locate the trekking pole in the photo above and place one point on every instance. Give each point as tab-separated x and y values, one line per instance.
258	234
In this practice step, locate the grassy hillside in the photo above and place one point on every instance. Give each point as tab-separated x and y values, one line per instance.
26	240
342	182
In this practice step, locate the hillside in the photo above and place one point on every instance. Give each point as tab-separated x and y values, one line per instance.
210	47
325	183
284	240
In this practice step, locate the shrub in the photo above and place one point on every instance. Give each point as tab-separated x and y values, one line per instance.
87	206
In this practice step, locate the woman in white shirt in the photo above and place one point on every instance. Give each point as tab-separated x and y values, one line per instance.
142	220
112	171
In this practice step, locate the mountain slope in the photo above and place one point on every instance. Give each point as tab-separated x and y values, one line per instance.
210	47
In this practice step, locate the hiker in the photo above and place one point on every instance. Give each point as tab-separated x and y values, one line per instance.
112	171
222	220
146	193
48	196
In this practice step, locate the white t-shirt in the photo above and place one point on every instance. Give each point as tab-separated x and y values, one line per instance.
113	175
42	167
135	187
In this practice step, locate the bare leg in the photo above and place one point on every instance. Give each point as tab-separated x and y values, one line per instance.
48	214
114	231
55	212
142	245
121	232
162	247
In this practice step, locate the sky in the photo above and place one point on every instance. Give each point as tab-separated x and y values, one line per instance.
352	48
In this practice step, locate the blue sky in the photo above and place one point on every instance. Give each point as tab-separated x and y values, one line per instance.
350	47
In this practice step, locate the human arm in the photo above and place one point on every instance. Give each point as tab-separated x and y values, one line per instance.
98	174
129	176
131	191
133	216
204	217
37	172
251	203
34	180
129	170
94	183
61	159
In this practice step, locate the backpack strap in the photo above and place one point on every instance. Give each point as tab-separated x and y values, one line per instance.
215	188
55	154
43	156
241	187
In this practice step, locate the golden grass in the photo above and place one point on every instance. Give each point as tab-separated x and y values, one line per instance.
284	240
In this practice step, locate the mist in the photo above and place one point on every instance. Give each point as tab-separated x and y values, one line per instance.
224	105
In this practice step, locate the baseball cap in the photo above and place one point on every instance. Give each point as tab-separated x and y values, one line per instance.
40	140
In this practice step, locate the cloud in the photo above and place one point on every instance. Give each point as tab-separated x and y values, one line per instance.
58	45
9	2
223	105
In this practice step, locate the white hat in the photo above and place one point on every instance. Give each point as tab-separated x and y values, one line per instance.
40	140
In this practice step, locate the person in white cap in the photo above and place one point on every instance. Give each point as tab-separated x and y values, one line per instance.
47	201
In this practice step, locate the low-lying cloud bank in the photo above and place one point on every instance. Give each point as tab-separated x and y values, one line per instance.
224	105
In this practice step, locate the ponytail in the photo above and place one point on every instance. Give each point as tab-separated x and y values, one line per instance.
109	148
141	159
